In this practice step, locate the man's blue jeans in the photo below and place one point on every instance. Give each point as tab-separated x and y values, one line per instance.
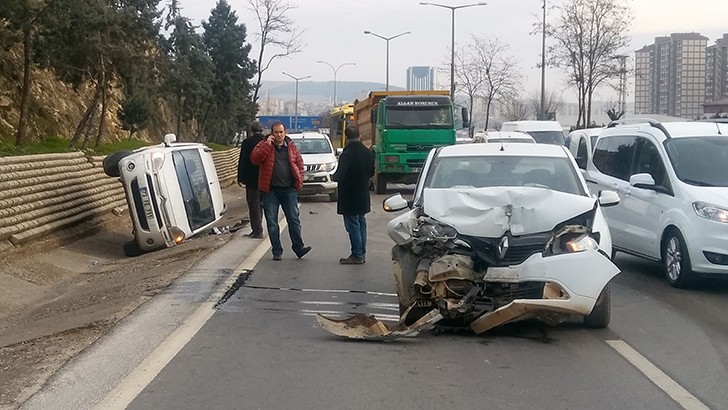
287	199
356	226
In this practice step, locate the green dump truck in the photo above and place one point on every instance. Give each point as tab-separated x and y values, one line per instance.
401	127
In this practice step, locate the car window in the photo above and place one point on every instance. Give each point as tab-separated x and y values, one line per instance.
547	137
613	156
594	141
649	161
700	161
495	171
581	151
313	146
194	187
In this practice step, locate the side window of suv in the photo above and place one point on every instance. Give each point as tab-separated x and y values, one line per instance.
649	161
613	156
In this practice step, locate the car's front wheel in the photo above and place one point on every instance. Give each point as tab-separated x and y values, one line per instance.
132	249
111	163
601	314
675	260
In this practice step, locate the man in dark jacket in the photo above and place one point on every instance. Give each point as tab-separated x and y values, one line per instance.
248	177
356	167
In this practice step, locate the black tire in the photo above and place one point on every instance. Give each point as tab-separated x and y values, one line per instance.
132	249
414	315
380	184
676	261
334	196
111	163
601	314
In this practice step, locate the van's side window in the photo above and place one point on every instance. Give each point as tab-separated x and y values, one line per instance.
614	156
649	161
582	151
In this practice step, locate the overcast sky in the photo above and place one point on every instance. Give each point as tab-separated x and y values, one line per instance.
334	33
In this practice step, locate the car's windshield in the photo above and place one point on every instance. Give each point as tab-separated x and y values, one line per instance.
494	171
547	137
700	161
313	145
194	187
420	117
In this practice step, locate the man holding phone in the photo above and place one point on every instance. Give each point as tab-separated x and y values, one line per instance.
281	175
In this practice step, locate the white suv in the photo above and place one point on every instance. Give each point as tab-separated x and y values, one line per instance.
673	191
319	163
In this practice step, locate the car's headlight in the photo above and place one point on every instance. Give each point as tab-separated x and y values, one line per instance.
571	243
157	161
330	166
712	212
428	228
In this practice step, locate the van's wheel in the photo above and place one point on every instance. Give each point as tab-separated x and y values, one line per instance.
111	163
676	260
132	249
334	196
380	183
601	314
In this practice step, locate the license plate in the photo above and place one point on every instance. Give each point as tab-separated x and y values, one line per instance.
416	169
146	204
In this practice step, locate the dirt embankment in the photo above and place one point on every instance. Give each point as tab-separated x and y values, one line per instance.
59	295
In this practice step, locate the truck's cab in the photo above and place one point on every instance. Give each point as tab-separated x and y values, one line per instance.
402	129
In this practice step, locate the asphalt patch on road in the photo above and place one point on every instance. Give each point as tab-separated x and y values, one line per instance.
239	282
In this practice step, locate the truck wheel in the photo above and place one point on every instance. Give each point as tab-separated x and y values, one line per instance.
380	183
111	163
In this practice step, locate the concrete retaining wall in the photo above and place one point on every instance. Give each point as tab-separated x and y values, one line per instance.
41	194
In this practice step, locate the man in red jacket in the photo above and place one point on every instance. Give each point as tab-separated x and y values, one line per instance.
281	175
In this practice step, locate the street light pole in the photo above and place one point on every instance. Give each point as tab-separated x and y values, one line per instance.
295	109
542	115
452	38
336	70
387	40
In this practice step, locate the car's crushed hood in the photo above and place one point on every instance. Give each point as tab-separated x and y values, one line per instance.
491	212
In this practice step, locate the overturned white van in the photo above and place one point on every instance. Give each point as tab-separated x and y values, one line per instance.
172	190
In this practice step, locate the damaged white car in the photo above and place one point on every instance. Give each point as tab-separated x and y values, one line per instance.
496	233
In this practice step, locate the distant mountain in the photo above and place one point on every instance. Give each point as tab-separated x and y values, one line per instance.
320	90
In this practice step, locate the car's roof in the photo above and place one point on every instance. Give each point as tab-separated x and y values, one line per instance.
520	150
589	131
312	135
680	129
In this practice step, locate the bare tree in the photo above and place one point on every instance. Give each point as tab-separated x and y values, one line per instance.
277	31
501	78
553	102
514	109
589	34
469	77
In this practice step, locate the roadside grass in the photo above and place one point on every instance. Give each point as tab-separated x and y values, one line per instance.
52	145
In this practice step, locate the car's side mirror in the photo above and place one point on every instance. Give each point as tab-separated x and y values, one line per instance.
339	151
395	203
608	198
642	180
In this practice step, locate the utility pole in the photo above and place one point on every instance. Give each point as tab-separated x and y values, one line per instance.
295	108
542	114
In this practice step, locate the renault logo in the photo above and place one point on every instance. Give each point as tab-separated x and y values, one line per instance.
503	247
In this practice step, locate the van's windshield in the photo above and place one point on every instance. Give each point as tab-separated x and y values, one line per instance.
699	161
547	137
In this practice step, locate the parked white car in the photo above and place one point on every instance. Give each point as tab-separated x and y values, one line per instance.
581	143
319	162
673	188
172	191
544	132
496	234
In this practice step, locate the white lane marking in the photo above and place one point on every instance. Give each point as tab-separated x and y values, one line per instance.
657	376
142	375
367	292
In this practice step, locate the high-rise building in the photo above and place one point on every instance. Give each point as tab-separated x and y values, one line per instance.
716	70
420	78
670	76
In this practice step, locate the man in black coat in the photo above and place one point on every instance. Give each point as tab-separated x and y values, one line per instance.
248	177
356	167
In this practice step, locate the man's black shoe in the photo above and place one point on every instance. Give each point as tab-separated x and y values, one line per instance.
276	257
254	235
303	252
351	261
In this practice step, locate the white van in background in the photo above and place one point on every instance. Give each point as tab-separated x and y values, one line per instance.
544	132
